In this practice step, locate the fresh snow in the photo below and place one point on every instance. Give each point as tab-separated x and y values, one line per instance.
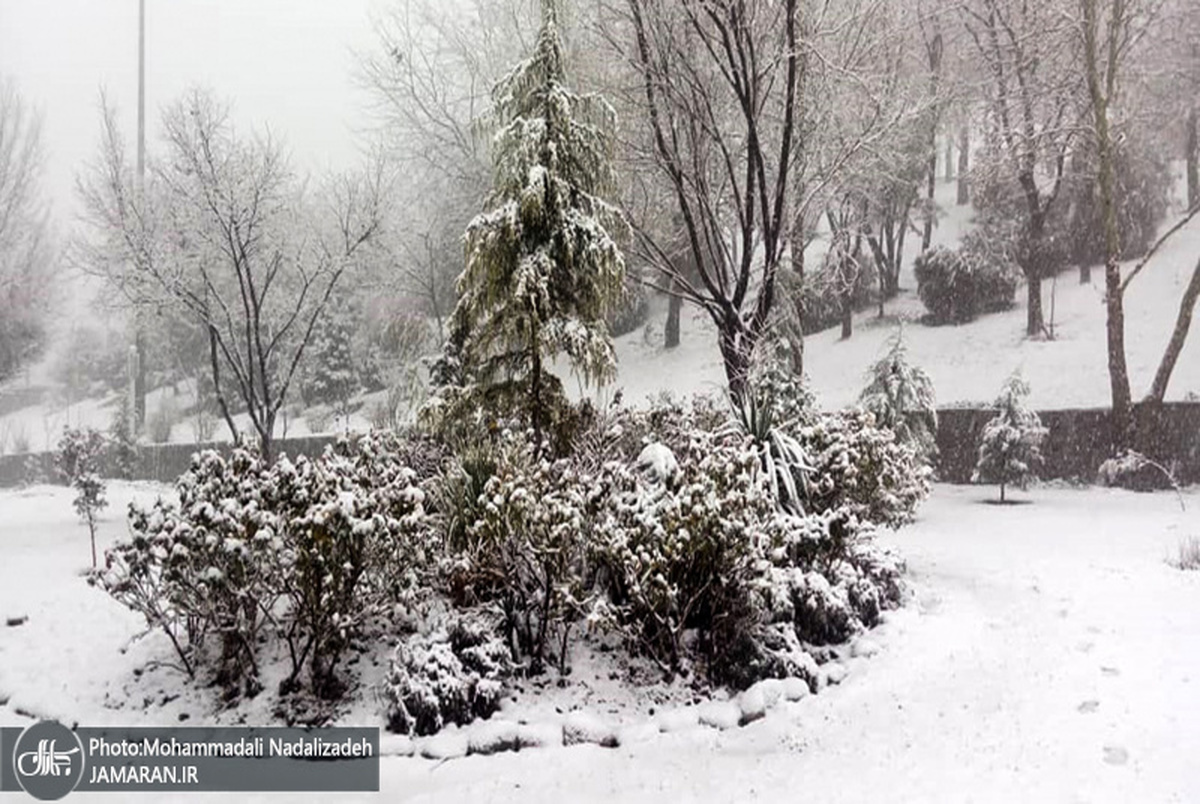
1049	652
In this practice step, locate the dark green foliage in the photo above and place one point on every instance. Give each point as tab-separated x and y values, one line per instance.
958	286
542	270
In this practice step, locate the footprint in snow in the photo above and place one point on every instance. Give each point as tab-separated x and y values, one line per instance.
1115	755
1087	707
1085	647
1110	671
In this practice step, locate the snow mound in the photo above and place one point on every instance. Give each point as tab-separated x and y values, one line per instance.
539	735
396	745
832	674
795	689
678	720
657	461
493	736
720	714
584	727
864	648
449	743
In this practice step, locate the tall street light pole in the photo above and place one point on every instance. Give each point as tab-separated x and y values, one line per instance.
139	373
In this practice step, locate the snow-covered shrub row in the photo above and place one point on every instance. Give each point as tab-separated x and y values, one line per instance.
695	564
451	676
307	550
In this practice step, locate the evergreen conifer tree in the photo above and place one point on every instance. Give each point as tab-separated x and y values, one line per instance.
900	396
542	267
1010	447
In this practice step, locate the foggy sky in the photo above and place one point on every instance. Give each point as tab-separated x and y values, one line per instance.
286	65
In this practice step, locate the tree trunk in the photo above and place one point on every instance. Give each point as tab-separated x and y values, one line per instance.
847	313
795	334
930	212
267	436
964	165
736	345
1118	371
948	160
1192	157
1182	324
139	381
1034	320
1085	273
671	329
1001	491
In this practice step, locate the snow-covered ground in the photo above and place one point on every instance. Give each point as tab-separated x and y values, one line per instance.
1049	653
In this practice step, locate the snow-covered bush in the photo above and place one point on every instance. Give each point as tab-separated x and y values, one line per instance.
1133	470
312	548
525	549
1010	446
1187	556
356	540
900	396
831	605
78	461
453	676
957	286
205	567
684	557
863	470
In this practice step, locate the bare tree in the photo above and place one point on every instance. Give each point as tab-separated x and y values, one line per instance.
1027	48
430	77
227	234
26	249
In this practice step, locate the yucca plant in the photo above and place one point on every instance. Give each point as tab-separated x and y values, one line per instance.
783	457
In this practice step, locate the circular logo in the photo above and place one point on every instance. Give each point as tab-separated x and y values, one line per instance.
48	760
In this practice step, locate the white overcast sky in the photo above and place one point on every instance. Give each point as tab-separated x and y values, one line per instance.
286	65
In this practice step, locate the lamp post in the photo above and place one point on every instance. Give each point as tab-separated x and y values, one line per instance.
138	366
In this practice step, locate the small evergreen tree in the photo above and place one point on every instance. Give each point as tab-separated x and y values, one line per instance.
78	461
332	378
122	444
1010	447
542	270
900	396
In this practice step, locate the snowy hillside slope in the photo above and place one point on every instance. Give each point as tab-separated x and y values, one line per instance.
969	362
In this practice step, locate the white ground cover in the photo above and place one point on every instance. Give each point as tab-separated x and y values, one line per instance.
1049	653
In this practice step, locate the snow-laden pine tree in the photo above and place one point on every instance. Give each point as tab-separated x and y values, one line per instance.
900	396
542	267
1010	447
